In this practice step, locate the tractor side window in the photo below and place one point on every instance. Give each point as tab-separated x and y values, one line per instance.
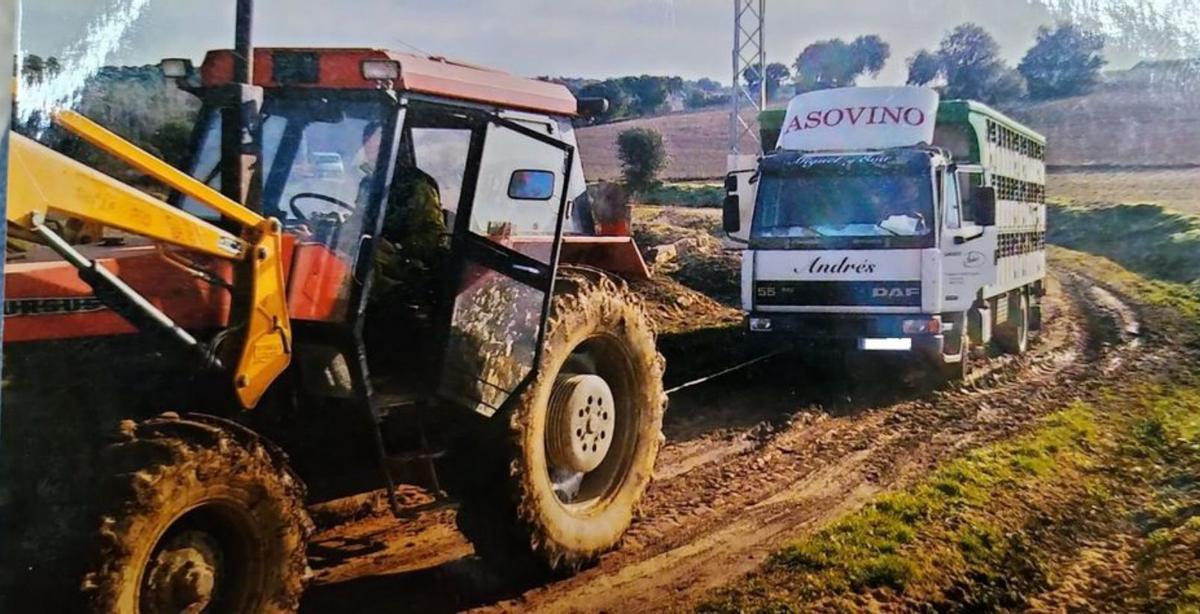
499	307
496	212
206	165
442	153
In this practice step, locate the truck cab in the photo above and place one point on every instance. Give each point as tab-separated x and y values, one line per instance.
867	232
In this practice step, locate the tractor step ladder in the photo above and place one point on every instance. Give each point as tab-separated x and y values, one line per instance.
386	405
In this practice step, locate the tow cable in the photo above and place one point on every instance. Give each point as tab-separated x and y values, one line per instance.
736	367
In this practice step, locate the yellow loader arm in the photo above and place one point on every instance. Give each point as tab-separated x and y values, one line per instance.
41	181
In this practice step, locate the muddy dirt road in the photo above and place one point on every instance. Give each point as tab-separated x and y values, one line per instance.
751	460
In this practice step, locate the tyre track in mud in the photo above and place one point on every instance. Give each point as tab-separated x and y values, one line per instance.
751	461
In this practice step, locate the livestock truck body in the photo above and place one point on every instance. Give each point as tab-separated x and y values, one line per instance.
886	219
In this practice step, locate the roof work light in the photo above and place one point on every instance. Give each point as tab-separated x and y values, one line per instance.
381	70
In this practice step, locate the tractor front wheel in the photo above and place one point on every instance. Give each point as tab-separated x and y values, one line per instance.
203	517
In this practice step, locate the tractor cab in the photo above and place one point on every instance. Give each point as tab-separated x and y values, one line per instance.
425	205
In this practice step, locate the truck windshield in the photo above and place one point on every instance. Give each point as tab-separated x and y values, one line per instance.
898	204
320	159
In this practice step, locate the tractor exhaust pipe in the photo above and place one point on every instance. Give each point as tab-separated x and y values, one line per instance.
240	150
243	43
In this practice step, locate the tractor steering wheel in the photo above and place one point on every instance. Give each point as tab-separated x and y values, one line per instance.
315	196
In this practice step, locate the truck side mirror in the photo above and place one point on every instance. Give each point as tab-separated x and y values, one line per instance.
731	214
984	198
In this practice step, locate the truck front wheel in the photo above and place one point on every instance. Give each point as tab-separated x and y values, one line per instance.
203	517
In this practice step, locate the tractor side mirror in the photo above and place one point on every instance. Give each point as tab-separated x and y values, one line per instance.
731	215
984	198
531	185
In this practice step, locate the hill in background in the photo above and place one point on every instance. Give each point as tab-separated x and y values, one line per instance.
1147	117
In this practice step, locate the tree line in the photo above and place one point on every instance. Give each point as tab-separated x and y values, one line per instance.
642	95
1064	61
136	102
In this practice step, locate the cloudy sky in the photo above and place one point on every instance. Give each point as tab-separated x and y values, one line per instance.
690	38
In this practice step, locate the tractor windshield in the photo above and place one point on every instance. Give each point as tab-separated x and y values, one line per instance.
320	161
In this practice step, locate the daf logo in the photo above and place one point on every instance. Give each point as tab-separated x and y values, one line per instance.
884	292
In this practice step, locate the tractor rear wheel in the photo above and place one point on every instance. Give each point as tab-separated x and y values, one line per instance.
583	438
204	517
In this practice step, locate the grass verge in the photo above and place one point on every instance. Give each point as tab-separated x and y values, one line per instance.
685	194
1150	240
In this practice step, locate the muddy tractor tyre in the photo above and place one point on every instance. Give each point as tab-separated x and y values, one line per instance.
202	516
582	439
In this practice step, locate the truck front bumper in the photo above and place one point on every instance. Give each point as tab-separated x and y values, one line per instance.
885	332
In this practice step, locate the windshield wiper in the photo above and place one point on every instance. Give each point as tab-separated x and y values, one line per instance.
888	230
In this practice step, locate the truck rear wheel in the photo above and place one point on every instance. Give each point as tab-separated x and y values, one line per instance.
583	438
204	517
1013	336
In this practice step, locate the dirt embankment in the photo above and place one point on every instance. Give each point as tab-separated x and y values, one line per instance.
684	247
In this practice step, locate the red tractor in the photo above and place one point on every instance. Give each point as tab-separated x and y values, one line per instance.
419	262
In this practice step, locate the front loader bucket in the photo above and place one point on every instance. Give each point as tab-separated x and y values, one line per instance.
619	255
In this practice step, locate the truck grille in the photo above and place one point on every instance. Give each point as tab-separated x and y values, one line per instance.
842	293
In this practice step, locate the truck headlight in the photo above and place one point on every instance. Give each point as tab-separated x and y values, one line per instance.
922	326
760	324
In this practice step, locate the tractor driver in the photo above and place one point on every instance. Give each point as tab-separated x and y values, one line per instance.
413	226
372	136
410	249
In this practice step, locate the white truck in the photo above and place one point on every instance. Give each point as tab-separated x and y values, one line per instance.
887	220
